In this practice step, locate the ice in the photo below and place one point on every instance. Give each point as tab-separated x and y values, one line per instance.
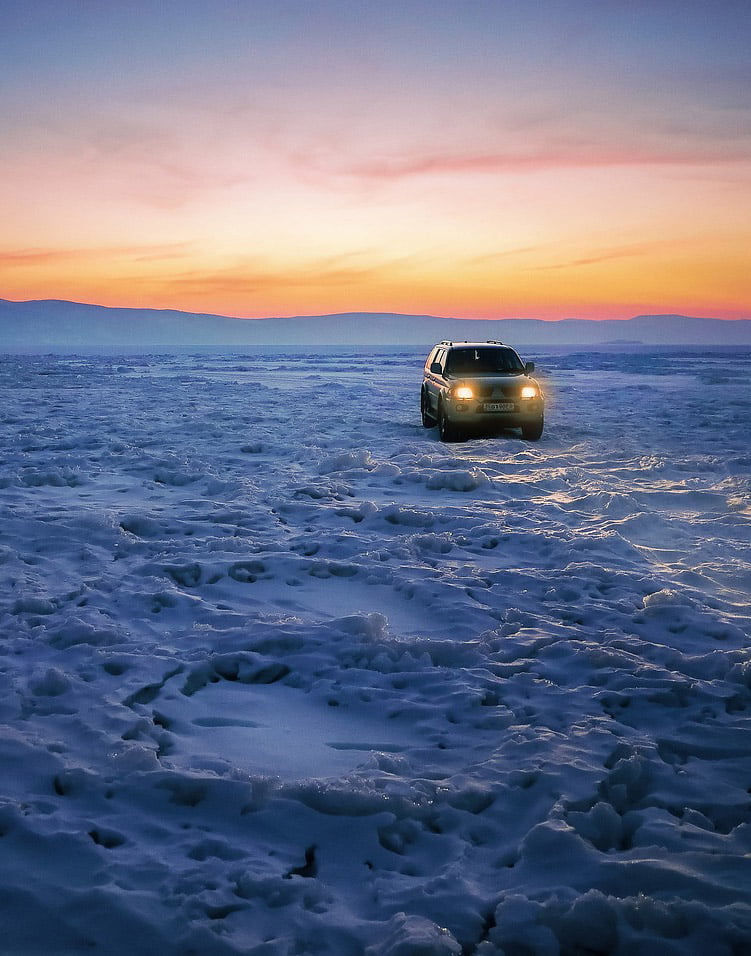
273	731
282	673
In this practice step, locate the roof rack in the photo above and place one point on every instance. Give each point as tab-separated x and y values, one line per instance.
466	342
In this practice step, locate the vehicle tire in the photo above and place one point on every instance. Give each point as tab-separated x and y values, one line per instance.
428	421
533	430
446	430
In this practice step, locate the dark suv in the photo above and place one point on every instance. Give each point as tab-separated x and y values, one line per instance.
480	384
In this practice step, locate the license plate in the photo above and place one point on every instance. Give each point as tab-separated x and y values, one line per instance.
498	407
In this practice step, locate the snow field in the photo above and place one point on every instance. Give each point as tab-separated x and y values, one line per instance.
281	673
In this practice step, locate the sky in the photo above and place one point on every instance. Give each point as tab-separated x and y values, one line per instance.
471	158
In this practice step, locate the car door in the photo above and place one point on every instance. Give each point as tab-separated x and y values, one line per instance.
434	381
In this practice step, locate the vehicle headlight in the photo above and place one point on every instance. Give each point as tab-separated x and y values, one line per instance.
529	391
463	392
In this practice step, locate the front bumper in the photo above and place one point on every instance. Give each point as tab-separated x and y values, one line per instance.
502	413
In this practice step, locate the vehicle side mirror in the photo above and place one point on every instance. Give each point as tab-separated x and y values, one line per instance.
529	368
435	368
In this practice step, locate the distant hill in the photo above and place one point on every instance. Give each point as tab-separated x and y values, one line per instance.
58	326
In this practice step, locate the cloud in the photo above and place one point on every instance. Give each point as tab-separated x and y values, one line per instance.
627	251
33	257
496	163
252	277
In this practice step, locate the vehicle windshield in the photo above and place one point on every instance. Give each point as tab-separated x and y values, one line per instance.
482	361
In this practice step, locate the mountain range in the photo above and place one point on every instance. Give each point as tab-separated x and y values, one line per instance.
58	326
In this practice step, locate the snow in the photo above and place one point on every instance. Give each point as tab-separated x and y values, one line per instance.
281	673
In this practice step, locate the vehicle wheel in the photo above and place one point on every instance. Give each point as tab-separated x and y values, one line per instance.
533	430
428	421
446	431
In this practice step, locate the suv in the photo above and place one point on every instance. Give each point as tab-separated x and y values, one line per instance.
481	384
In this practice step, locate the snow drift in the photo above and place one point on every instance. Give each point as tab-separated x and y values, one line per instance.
283	674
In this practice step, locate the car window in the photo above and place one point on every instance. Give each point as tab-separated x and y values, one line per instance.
482	361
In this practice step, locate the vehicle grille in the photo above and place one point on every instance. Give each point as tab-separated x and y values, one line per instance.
498	391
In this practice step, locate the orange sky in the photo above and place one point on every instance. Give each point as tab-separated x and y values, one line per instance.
482	160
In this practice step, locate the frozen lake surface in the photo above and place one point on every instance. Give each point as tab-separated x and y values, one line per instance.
280	673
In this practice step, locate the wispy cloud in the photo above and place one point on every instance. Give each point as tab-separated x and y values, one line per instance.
448	164
34	257
626	251
252	276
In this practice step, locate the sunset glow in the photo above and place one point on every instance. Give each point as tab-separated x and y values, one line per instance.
475	159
